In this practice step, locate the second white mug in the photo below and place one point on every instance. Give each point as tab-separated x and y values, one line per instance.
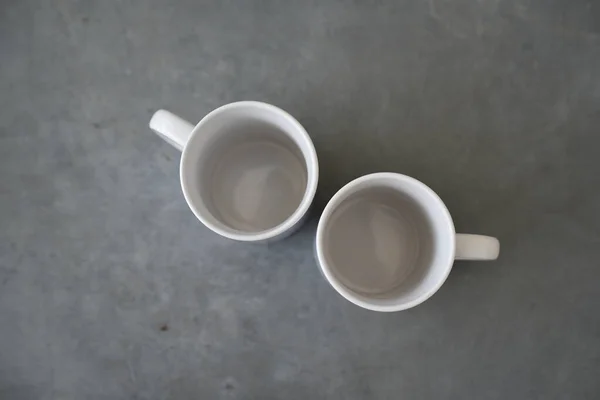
248	171
386	242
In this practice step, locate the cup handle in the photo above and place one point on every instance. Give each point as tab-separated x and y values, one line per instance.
476	247
173	129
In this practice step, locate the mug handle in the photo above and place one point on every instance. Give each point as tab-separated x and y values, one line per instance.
476	247
173	129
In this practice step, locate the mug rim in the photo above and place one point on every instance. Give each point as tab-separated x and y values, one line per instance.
348	293
312	165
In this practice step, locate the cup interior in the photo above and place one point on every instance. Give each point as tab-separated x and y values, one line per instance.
246	170
386	243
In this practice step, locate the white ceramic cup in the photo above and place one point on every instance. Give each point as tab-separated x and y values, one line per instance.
386	242
248	171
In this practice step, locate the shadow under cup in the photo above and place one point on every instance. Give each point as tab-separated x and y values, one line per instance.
384	244
250	174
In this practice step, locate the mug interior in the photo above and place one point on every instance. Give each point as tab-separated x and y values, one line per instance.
246	170
386	242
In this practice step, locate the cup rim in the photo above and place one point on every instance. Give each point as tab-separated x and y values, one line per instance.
311	184
346	292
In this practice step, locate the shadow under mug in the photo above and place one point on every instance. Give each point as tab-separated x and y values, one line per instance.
248	170
386	242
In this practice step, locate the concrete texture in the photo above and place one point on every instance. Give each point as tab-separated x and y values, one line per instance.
110	289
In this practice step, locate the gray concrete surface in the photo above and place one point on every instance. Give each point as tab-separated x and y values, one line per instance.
110	289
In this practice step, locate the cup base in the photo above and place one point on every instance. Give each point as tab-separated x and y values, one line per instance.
373	245
257	185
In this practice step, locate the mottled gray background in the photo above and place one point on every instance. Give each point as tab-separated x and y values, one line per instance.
110	289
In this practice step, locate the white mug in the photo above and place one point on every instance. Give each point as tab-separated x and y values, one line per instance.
248	170
386	242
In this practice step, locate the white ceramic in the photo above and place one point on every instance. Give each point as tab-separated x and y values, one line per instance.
248	171
386	242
